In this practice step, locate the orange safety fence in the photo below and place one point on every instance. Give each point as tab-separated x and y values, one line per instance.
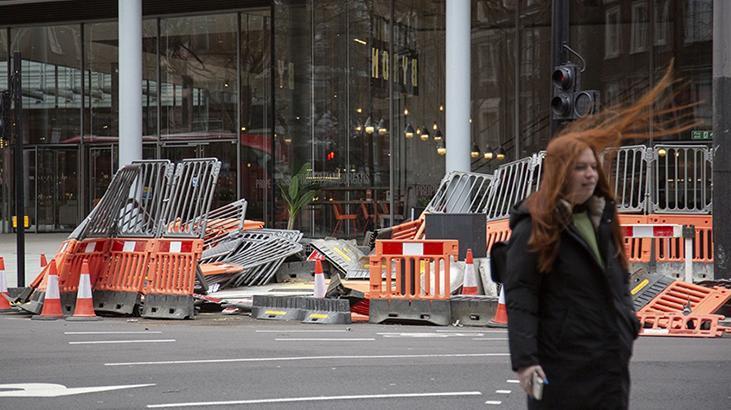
412	269
127	267
94	251
172	266
407	230
636	249
497	231
39	283
693	325
681	295
673	250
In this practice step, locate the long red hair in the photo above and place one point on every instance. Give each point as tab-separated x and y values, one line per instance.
654	111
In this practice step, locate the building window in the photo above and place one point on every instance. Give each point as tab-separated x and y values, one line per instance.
662	16
611	32
638	39
487	63
698	21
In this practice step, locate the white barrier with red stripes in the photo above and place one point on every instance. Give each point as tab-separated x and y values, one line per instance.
664	231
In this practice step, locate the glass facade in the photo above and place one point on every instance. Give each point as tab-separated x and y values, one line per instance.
353	88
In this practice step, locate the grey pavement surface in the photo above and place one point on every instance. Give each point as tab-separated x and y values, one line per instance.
35	244
246	363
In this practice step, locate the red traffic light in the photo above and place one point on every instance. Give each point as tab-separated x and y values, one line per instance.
564	77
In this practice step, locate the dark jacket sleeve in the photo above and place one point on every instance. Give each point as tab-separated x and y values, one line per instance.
522	287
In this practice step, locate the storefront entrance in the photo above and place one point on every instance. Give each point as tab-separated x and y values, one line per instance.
52	188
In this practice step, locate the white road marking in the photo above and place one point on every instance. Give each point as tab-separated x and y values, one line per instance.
303	331
109	342
472	331
502	391
322	339
513	381
56	390
429	335
316	398
300	358
489	338
493	402
113	333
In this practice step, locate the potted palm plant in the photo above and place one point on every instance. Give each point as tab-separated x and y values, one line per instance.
298	193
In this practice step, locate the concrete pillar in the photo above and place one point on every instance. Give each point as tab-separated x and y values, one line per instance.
130	81
722	138
457	132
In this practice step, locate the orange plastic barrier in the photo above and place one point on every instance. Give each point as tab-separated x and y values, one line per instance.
672	249
127	266
172	266
406	230
406	263
497	231
94	251
678	295
39	283
251	225
693	325
636	249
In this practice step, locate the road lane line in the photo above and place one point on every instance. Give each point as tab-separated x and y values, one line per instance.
301	358
489	338
143	332
513	381
316	398
323	339
502	391
103	342
303	331
493	402
471	331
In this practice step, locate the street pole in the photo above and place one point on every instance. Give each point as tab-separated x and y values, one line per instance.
17	89
559	37
721	135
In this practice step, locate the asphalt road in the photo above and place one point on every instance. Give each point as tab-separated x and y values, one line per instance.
236	362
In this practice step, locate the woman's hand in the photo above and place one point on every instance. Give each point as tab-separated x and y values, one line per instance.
525	376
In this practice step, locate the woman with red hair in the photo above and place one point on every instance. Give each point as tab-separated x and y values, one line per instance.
571	322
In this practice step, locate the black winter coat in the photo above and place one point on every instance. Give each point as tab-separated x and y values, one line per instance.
576	321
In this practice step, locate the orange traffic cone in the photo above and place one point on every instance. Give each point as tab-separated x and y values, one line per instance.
4	295
469	286
320	288
84	310
500	319
44	262
52	300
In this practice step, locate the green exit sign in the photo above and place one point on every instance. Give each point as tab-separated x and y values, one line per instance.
701	135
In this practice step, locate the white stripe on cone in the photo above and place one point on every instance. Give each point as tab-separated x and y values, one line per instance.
469	286
501	298
84	287
3	284
320	288
52	287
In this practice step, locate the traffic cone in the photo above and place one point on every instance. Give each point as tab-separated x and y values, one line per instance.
500	319
4	295
84	310
52	300
469	286
320	288
44	262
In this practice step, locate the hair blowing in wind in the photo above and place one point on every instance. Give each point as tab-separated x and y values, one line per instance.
654	115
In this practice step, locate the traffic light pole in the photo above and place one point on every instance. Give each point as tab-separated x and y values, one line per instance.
559	37
721	136
17	91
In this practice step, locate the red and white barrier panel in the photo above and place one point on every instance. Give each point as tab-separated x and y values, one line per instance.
652	231
664	231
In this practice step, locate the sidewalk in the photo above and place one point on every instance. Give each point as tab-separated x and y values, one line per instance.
35	244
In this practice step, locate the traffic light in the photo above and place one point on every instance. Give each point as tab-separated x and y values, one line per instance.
569	101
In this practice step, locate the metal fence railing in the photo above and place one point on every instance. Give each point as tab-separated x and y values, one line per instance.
681	179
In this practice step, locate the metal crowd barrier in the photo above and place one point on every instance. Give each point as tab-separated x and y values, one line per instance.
143	211
513	182
102	220
190	198
461	192
224	220
628	173
682	179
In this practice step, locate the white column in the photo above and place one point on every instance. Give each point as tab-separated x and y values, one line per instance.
130	81
458	85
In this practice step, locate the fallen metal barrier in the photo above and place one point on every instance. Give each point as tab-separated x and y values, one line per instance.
190	198
461	192
143	212
102	221
223	221
344	256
